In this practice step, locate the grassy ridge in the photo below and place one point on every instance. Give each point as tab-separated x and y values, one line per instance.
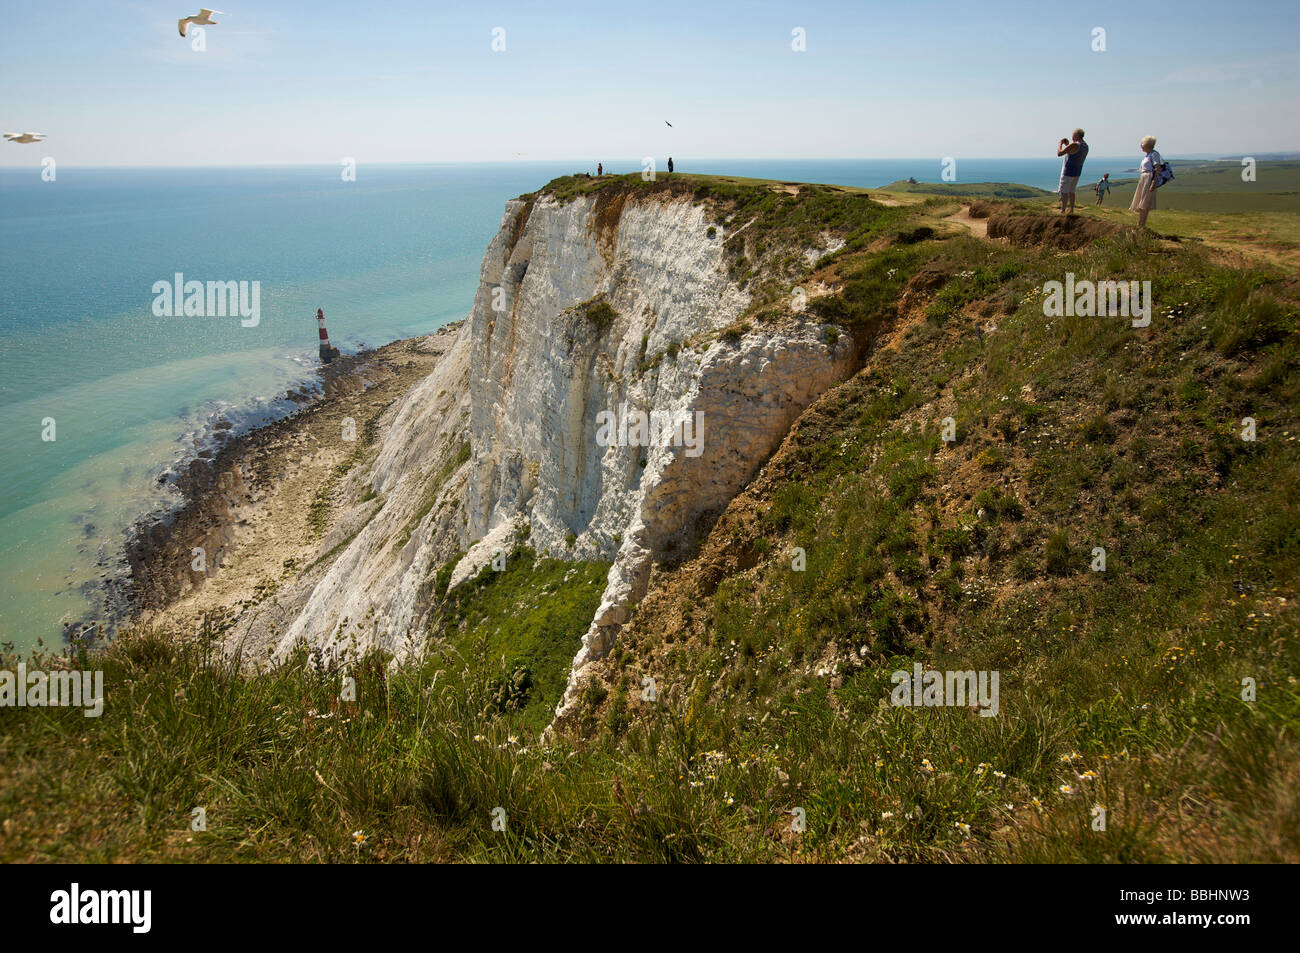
1197	187
1072	433
1219	187
982	190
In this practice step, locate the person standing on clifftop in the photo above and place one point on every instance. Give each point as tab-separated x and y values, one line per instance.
600	169
1075	150
1102	187
1144	196
670	165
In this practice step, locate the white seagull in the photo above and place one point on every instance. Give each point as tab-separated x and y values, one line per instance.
24	136
203	18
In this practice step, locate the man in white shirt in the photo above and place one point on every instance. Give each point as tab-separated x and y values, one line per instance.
1102	187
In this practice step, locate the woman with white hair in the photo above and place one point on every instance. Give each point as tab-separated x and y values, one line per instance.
1144	199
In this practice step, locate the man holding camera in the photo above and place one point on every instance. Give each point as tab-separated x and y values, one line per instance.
1074	150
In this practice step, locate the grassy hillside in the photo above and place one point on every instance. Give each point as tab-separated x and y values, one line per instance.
1120	688
288	765
749	691
1197	187
1207	201
978	190
1219	187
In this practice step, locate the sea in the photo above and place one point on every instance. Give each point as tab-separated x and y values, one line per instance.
102	397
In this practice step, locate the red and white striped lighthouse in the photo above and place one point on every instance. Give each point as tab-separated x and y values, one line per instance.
327	351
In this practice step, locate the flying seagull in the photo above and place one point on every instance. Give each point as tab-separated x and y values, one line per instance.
668	124
203	18
24	136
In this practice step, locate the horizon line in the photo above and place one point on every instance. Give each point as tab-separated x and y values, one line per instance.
1202	156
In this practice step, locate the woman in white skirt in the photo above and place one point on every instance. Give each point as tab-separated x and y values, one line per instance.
1144	199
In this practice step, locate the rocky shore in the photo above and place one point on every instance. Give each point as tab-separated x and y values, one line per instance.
257	508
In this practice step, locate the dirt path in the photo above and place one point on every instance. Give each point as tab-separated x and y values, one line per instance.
979	227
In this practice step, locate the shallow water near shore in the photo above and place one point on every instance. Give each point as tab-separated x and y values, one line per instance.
395	253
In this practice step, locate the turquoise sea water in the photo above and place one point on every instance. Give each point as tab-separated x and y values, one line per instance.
392	254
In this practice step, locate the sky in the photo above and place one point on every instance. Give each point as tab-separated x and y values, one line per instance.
313	83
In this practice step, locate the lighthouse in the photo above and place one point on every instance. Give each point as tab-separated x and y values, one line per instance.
327	351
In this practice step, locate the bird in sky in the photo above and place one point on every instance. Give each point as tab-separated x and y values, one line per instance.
668	124
24	136
202	18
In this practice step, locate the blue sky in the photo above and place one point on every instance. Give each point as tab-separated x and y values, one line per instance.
291	82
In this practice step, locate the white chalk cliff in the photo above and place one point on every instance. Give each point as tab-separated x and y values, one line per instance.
523	381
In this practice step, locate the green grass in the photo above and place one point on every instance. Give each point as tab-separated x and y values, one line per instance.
566	188
284	767
1137	670
983	190
522	626
1218	187
1206	200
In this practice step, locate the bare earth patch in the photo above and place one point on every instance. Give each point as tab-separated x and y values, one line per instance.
978	227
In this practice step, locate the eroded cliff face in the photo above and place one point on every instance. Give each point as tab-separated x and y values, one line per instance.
602	305
377	587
